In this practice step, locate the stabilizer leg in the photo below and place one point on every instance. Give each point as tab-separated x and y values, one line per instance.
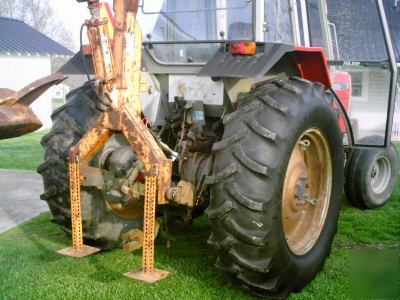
78	249
94	139
148	273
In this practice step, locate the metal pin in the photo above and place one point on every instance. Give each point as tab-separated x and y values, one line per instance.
312	201
304	144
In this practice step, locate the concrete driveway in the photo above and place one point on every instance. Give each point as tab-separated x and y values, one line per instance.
19	197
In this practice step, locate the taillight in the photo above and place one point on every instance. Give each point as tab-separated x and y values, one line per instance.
243	48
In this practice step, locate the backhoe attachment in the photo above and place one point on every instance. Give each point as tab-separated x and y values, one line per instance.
117	72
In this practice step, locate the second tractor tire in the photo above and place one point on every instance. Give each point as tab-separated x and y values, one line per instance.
371	174
251	161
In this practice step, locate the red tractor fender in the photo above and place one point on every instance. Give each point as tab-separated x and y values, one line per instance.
342	87
313	65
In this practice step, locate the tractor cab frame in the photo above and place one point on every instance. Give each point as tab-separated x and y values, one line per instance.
187	46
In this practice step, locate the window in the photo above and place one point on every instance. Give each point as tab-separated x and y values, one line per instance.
318	24
278	21
356	84
359	85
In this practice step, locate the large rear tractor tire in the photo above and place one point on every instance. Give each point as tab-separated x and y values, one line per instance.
276	187
101	227
371	174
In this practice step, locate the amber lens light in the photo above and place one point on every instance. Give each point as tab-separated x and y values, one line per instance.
243	48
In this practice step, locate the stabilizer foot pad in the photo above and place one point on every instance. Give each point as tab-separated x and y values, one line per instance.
148	277
85	251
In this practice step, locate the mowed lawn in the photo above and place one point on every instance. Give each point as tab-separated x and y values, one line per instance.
22	153
31	269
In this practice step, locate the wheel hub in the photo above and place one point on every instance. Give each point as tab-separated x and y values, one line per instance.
306	193
123	192
302	191
380	175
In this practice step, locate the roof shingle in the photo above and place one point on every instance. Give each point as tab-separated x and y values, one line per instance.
17	36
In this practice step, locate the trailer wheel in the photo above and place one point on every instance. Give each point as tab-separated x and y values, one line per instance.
371	174
276	187
101	227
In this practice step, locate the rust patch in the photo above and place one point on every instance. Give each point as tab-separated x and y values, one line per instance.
132	5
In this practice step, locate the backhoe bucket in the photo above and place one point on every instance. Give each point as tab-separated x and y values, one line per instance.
17	120
16	117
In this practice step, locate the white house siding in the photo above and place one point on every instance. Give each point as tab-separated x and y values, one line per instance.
371	113
396	119
17	71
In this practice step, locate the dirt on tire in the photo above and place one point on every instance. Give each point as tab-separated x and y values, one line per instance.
247	183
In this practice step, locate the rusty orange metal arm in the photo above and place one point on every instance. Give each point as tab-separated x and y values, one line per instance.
147	149
91	142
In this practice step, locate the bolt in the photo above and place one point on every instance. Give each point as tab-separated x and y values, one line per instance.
300	203
304	144
172	194
312	201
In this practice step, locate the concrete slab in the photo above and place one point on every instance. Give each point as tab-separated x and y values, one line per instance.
19	197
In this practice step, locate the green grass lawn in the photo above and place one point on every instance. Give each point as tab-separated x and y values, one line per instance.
31	269
23	153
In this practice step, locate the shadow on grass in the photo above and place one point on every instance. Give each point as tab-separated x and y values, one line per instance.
188	250
189	256
103	273
44	240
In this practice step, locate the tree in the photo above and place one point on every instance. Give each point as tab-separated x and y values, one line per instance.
40	15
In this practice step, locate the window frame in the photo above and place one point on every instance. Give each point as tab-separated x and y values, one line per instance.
364	86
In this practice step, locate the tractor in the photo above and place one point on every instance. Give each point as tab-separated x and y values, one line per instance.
225	107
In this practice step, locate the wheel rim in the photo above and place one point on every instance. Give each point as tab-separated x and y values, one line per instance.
307	191
380	175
